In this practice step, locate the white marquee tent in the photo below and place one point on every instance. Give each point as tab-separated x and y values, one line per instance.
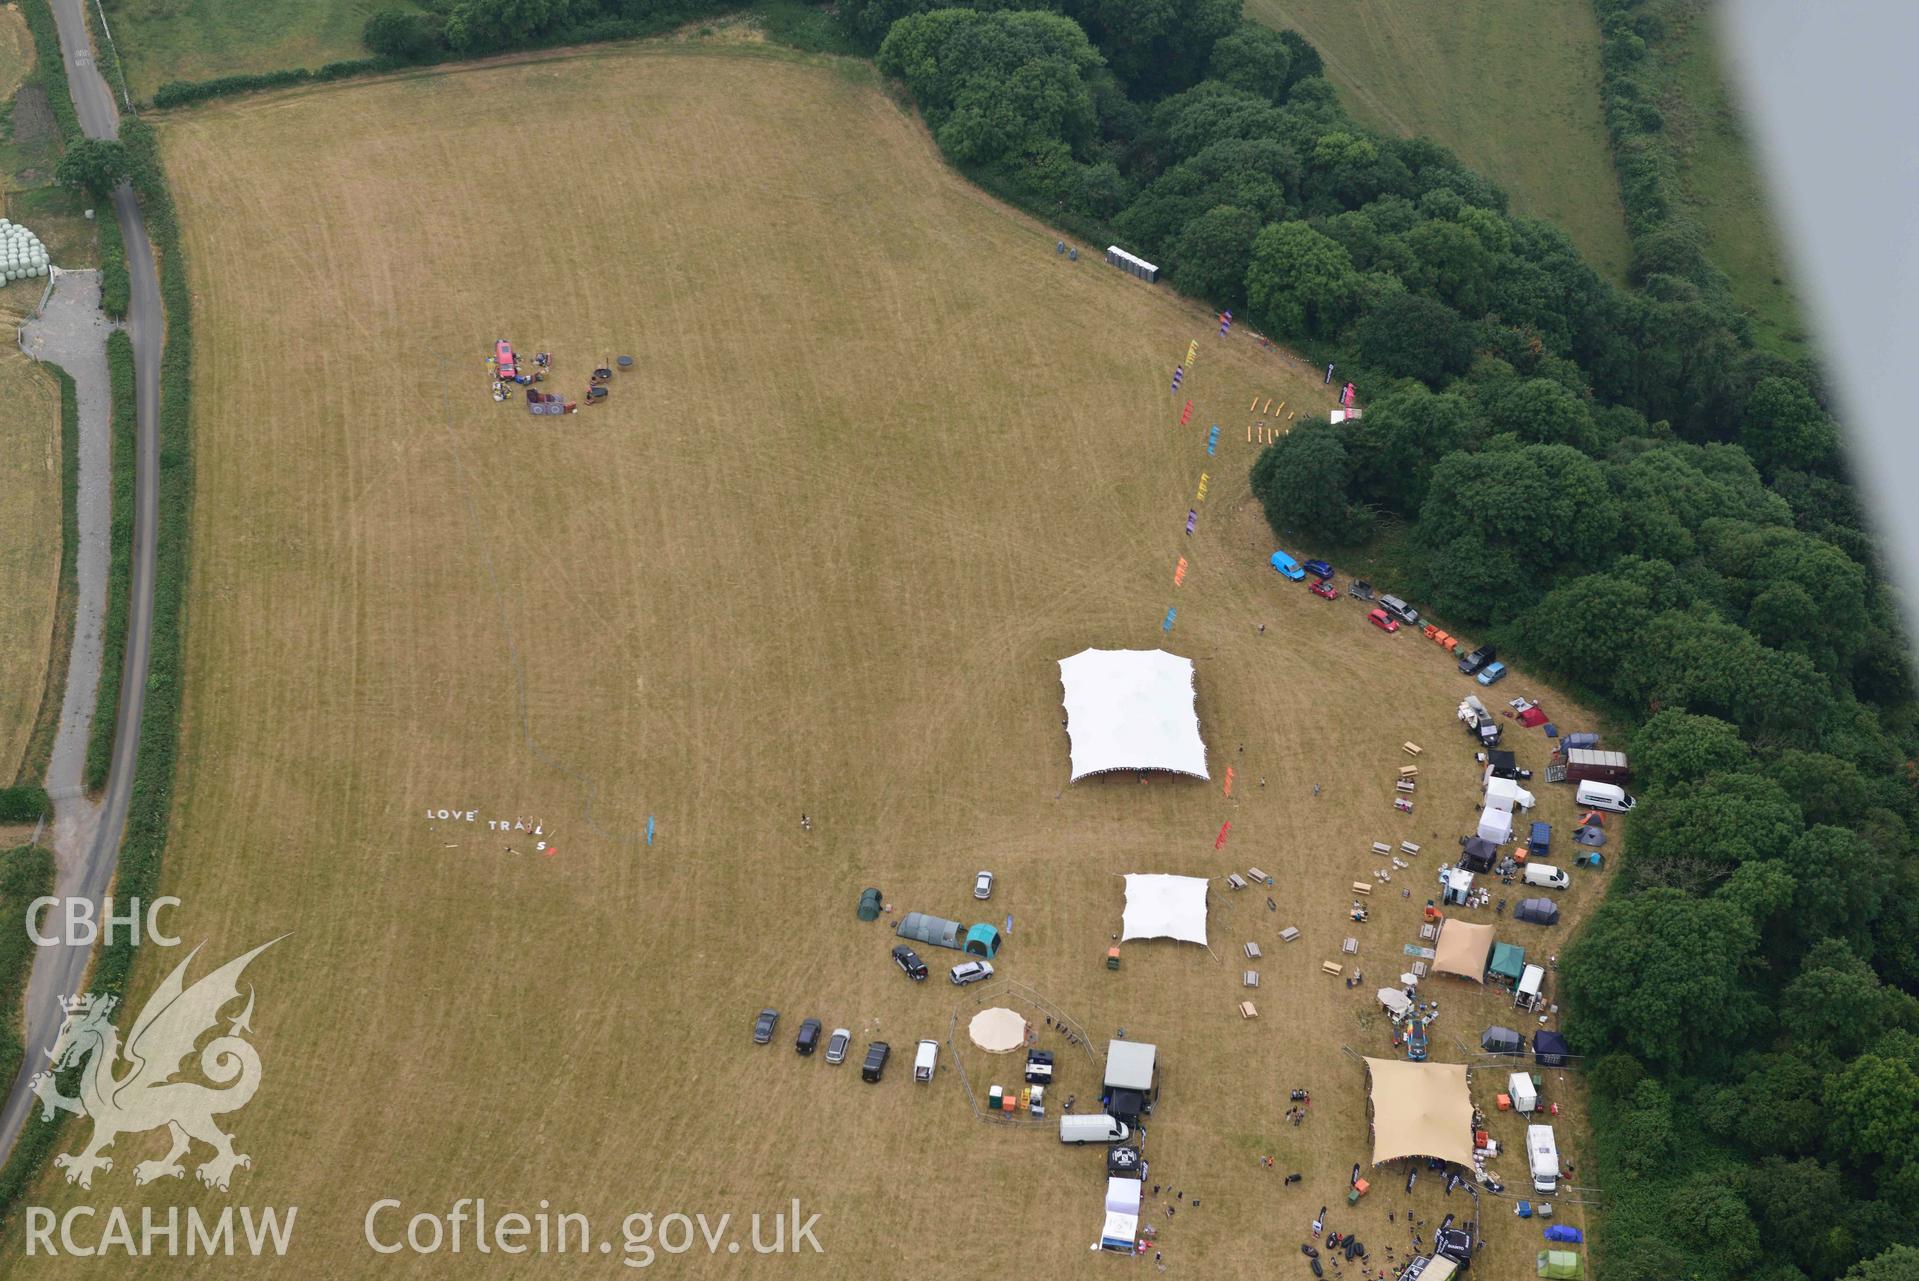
1131	709
1165	907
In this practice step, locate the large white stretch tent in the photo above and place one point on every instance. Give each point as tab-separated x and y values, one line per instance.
1131	709
1165	907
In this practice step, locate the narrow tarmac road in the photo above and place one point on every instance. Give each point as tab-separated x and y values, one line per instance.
60	970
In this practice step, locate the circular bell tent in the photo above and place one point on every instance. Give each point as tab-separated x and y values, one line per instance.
998	1030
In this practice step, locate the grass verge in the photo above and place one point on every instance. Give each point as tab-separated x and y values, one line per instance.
46	725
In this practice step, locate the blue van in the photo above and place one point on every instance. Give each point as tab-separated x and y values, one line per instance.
1539	842
1288	567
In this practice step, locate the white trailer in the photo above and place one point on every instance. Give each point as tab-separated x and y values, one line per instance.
1519	1088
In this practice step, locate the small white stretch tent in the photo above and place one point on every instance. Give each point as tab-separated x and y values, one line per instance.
1122	1215
1165	907
1131	709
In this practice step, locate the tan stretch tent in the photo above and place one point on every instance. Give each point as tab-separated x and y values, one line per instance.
1421	1110
1462	949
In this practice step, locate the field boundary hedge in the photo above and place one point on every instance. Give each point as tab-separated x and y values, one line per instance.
113	642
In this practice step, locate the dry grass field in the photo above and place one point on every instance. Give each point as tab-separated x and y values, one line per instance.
883	459
29	528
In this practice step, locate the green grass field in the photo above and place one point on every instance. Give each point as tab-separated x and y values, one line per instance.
884	458
163	40
1720	176
1512	86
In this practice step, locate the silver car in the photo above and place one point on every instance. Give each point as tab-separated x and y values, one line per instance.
971	972
836	1045
983	885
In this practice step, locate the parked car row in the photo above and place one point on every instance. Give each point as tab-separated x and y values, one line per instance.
877	1052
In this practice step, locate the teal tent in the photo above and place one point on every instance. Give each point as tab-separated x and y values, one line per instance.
982	940
1508	962
869	905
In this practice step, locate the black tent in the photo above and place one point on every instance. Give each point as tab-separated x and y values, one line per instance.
1505	764
1501	1040
1126	1105
1551	1049
1539	911
1477	854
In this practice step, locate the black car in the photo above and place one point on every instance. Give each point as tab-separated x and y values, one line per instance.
875	1065
763	1026
809	1038
909	961
1473	662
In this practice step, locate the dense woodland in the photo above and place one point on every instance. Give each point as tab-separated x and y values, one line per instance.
1611	483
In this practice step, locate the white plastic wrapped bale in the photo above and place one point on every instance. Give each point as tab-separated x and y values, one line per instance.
22	256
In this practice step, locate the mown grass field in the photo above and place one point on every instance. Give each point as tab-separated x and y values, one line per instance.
1721	178
163	40
1512	86
883	459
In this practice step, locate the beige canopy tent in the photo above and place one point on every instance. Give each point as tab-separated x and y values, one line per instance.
998	1030
1421	1110
1462	949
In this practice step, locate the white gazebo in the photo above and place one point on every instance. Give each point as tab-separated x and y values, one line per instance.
1131	709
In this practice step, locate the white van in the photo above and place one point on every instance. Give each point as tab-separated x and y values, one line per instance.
1542	1154
1096	1128
1605	796
1548	876
925	1060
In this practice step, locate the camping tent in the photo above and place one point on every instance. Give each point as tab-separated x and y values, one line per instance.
982	940
869	905
934	930
1478	854
998	1030
1565	1232
1462	949
1531	716
1122	1215
1421	1109
1131	709
1501	765
1538	911
1562	1265
1495	825
1501	1040
1509	962
1551	1049
1165	907
1591	835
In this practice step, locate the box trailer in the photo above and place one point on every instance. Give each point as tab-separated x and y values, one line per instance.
1585	765
1519	1088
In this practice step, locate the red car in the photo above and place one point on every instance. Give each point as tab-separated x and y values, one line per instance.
1324	587
1382	620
